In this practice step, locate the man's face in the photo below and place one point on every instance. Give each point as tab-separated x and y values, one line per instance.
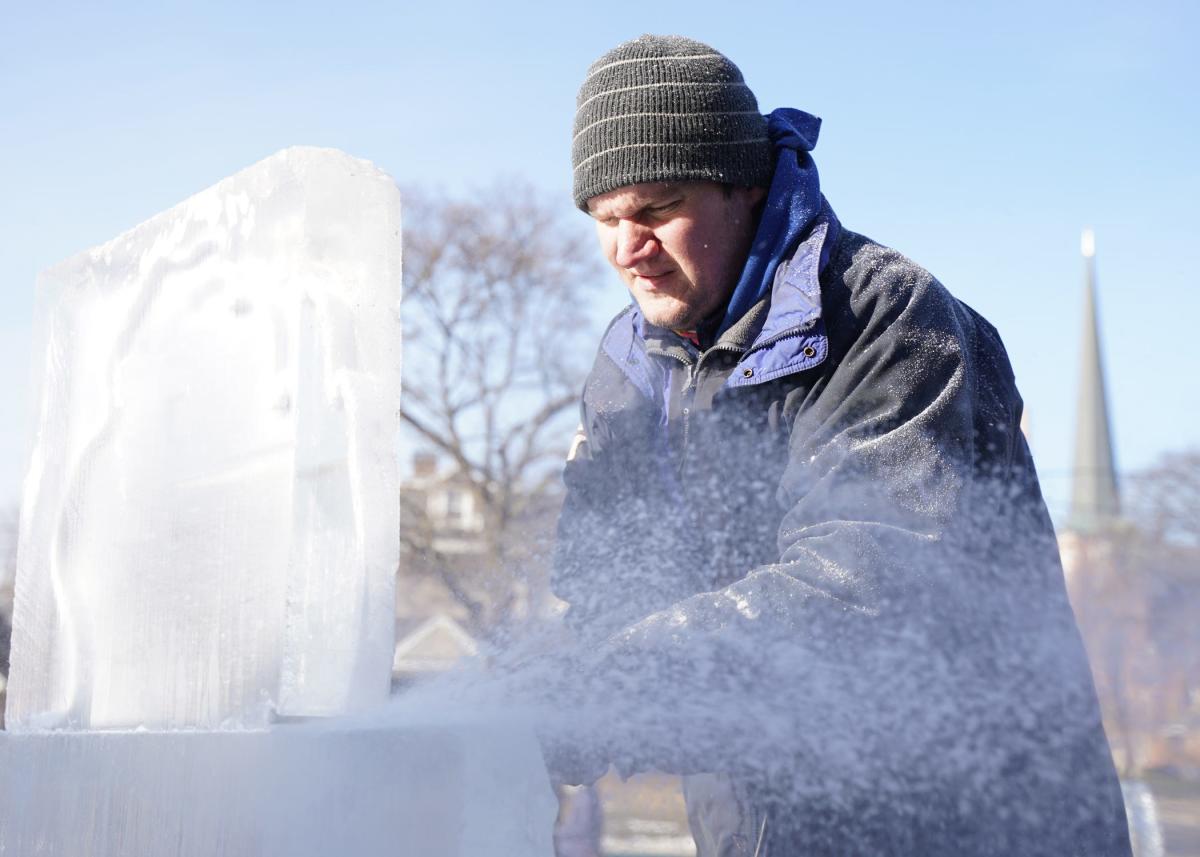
679	247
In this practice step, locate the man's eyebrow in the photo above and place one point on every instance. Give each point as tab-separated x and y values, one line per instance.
666	198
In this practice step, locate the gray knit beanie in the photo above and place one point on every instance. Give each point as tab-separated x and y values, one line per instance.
666	108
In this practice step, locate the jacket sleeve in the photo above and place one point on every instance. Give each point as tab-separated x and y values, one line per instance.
880	637
611	512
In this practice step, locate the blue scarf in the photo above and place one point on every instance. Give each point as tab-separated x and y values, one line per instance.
793	202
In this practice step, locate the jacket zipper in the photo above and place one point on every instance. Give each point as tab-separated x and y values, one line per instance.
689	388
685	410
689	393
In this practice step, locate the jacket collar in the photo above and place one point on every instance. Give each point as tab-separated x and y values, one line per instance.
792	337
792	205
782	333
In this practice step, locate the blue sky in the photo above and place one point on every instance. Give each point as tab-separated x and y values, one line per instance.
979	139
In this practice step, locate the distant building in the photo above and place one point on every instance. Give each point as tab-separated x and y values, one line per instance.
1092	543
434	646
484	566
441	509
1113	580
1093	524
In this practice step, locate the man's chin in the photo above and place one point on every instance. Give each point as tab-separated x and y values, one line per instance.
671	317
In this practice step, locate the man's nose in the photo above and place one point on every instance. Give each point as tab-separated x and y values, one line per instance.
635	243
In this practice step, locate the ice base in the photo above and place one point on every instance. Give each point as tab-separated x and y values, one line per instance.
292	791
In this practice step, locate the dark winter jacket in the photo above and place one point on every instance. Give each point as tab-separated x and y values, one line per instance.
816	557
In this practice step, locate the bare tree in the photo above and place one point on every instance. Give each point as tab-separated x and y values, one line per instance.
9	528
1164	500
9	518
1138	605
496	342
1164	503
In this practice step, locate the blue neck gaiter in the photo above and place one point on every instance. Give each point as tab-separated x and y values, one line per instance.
792	204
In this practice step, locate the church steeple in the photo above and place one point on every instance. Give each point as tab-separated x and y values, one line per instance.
1094	499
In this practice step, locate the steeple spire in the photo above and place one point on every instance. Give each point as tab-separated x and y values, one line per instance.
1094	499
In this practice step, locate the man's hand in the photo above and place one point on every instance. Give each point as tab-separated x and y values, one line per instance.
556	690
573	764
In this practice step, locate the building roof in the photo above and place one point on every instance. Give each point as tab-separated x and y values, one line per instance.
435	645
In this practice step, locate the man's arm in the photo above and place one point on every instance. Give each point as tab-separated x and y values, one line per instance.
882	629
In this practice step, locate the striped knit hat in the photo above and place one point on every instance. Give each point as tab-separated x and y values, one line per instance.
666	108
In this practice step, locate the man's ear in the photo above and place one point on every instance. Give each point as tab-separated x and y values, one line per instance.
751	197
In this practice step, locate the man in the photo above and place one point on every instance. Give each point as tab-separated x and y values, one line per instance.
803	542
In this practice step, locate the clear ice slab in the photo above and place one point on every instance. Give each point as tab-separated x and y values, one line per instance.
209	526
466	790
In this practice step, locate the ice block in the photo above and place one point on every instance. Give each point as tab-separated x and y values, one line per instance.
462	790
209	528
